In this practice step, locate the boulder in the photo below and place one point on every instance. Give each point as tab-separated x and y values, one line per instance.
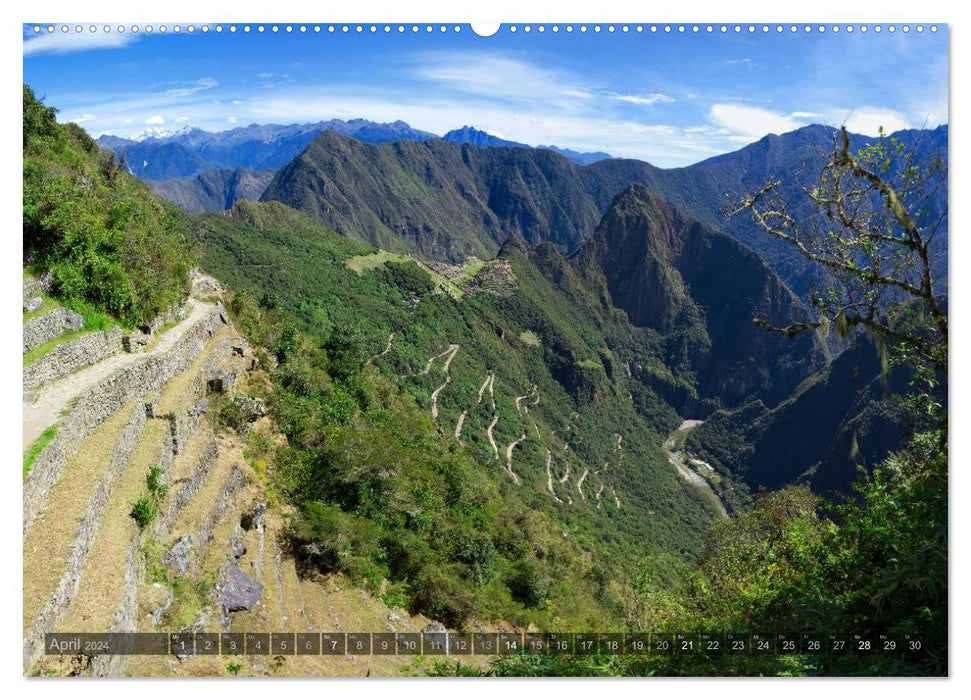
239	591
135	341
203	285
435	628
73	321
177	558
254	520
200	408
220	381
33	304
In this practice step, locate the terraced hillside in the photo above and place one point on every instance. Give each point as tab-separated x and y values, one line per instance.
90	566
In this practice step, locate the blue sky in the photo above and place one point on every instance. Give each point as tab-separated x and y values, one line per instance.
672	99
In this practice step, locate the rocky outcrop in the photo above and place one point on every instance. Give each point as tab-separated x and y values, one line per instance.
72	356
43	329
221	381
204	286
237	591
178	557
102	400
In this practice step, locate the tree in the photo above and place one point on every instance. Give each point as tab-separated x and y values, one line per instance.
876	231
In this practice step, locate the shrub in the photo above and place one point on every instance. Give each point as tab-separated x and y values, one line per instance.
106	238
144	511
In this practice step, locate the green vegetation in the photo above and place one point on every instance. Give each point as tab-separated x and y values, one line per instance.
371	261
36	447
147	507
107	240
189	594
463	527
386	494
530	338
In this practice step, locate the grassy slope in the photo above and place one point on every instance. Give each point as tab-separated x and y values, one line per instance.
577	369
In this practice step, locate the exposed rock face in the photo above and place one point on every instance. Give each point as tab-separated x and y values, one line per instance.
221	381
42	329
238	591
200	408
700	288
254	520
204	285
178	557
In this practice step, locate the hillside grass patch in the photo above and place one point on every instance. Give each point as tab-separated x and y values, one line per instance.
36	447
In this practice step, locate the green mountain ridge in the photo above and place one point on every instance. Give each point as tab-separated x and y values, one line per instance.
700	289
446	201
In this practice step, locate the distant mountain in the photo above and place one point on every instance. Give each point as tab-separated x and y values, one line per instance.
213	190
699	288
448	200
256	147
581	158
438	199
482	139
795	158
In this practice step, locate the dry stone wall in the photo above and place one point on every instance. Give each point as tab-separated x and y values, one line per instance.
54	324
105	398
72	356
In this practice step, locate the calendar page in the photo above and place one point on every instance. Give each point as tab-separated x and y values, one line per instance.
517	349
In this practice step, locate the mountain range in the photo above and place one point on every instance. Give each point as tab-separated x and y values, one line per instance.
650	244
191	151
450	200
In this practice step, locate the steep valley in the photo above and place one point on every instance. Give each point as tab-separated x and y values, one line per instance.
421	385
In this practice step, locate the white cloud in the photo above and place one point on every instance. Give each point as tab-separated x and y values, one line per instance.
191	88
71	41
645	100
181	120
231	120
498	77
237	102
587	130
127	121
754	122
868	120
83	118
264	76
157	119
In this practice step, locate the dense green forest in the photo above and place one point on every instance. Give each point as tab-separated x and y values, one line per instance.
430	421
